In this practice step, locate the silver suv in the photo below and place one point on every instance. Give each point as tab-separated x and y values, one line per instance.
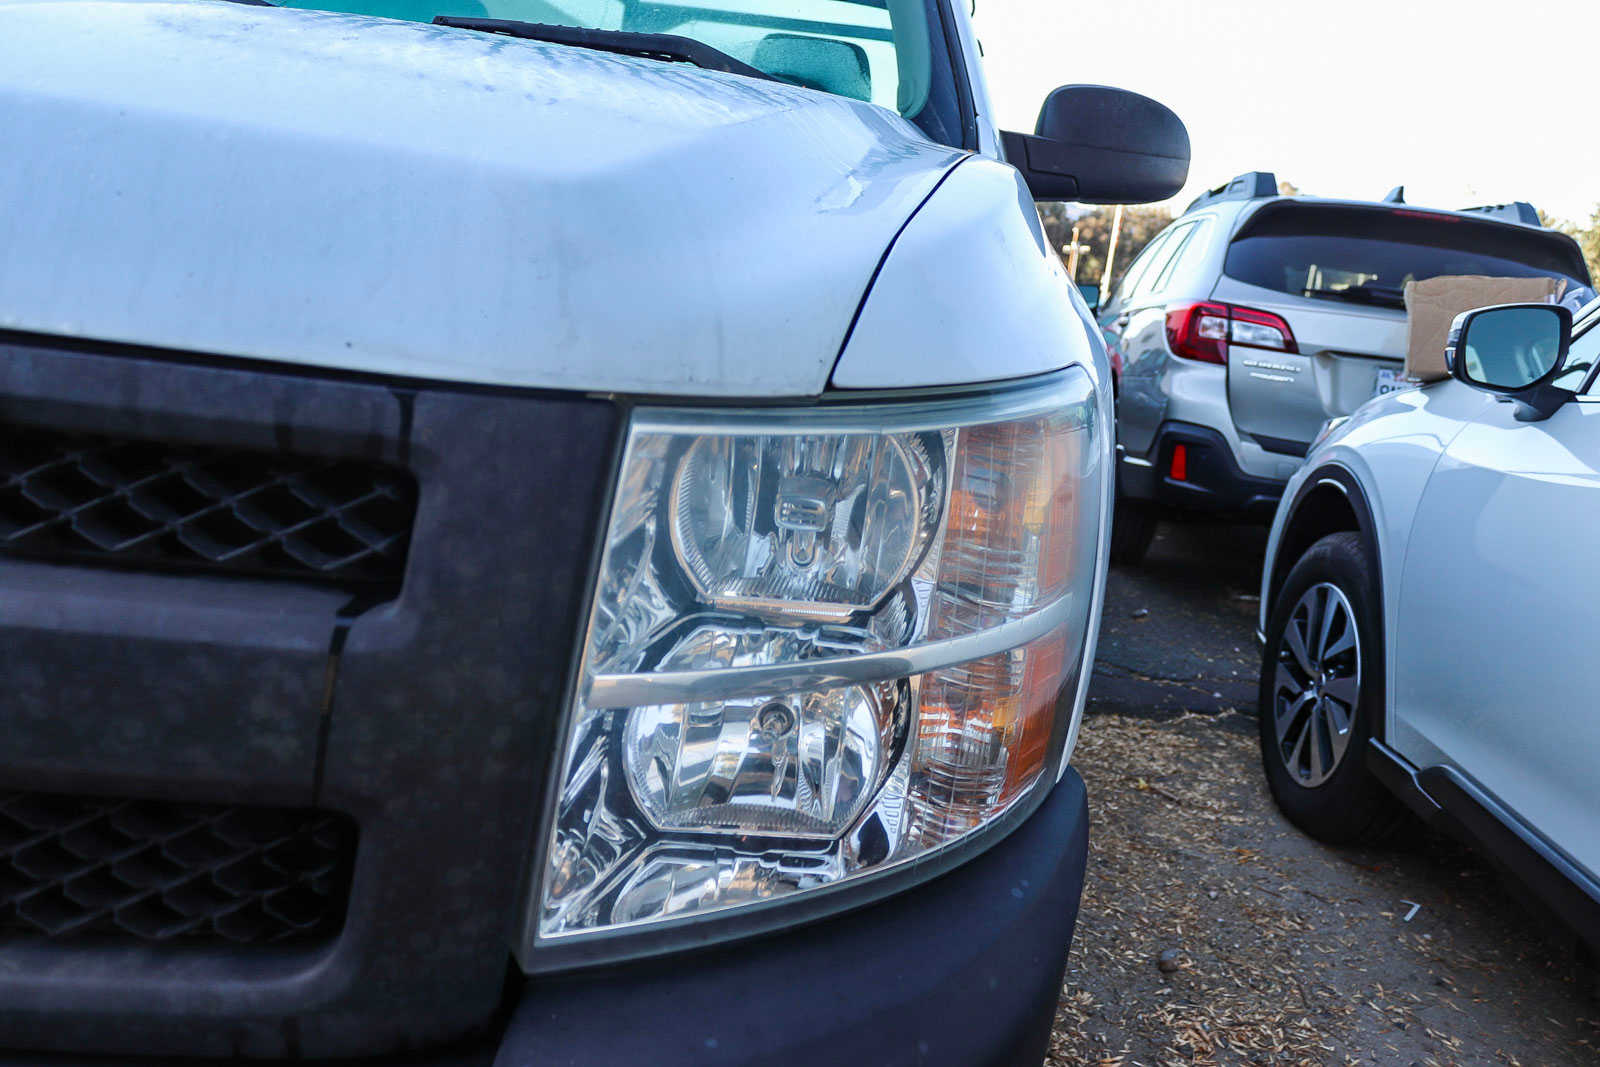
1253	318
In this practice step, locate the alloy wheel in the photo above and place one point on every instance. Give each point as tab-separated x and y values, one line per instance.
1317	684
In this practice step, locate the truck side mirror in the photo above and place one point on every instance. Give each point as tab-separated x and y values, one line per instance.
1515	350
1099	145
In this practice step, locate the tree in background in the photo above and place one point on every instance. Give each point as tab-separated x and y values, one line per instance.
1587	236
1139	224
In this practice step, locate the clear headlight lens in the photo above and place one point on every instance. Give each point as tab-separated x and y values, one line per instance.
797	764
822	643
803	526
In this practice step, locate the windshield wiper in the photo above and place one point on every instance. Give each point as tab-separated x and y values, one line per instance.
1377	295
664	46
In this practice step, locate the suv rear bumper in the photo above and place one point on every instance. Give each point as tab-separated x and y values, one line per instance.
963	970
1213	481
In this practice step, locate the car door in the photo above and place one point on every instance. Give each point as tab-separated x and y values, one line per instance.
1495	671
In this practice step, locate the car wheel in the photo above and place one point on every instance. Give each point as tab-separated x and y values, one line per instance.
1133	527
1321	693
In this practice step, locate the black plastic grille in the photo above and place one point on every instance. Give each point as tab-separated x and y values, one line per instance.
158	872
148	504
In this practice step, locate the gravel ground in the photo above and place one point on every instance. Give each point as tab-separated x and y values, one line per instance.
1213	932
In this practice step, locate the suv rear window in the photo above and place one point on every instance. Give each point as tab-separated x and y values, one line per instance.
1365	255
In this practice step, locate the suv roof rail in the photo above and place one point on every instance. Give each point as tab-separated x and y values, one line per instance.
1516	211
1248	186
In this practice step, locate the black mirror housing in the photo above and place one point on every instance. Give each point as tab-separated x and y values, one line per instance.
1513	350
1099	145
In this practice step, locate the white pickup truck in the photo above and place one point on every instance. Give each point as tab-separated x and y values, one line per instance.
569	531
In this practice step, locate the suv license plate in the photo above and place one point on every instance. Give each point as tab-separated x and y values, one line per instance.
1388	381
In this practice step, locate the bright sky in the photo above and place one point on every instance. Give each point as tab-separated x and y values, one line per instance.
1461	101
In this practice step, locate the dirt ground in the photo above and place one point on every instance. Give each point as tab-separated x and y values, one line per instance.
1213	932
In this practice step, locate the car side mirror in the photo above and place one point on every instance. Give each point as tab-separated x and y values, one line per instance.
1098	145
1514	350
1091	296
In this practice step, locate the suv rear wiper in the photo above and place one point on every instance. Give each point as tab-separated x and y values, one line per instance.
663	46
1377	295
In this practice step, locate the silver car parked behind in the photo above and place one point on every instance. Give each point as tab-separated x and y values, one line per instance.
1253	318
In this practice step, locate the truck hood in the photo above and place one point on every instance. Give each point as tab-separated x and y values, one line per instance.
379	196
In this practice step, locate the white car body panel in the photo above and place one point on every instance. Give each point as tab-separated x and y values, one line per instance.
474	209
1390	446
1488	592
977	243
1494	653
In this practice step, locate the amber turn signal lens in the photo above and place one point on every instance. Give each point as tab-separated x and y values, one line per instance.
983	735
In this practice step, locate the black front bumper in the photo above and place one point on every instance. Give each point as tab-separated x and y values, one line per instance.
1213	483
962	971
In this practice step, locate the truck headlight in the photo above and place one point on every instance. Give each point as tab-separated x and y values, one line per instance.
823	642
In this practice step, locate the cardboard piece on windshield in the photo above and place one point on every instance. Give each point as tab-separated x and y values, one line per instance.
1433	304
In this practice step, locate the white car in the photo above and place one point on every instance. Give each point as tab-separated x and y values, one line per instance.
492	499
1428	609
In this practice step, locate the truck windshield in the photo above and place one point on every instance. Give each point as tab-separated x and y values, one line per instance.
1365	255
889	52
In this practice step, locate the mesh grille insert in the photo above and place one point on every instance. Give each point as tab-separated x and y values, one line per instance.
151	871
82	498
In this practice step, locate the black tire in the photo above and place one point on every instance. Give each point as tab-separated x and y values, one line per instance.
1347	805
1133	527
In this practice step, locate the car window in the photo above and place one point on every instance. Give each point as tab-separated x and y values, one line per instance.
1367	255
1156	263
888	52
1146	284
1141	263
1184	251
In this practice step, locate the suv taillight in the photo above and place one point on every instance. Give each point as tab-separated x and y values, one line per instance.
1204	331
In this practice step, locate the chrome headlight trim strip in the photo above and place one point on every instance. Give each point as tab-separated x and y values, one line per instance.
627	690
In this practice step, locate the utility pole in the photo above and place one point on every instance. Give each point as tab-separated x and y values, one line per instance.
1111	257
